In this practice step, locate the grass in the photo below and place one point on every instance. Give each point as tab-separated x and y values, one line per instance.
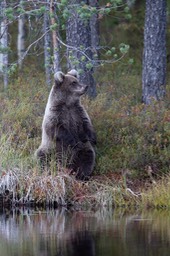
32	188
27	188
132	150
158	195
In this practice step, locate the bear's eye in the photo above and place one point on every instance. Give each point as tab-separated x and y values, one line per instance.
74	84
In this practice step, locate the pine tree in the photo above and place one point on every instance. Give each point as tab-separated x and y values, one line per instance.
4	43
154	56
78	36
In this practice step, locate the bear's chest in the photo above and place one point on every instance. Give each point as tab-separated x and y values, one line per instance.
71	118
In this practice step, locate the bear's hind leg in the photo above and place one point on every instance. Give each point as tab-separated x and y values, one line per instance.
84	162
43	153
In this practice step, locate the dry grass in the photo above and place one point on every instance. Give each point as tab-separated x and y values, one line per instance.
63	189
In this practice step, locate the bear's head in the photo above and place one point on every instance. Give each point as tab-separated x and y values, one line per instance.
68	85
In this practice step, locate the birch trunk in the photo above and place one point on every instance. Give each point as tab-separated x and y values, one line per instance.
54	37
47	47
21	38
4	45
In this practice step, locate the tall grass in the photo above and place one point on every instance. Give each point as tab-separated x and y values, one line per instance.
158	195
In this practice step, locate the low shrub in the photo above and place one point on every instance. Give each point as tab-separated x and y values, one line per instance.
134	137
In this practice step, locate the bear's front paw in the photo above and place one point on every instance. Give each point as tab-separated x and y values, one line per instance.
83	137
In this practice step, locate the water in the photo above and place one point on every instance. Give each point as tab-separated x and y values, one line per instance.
84	233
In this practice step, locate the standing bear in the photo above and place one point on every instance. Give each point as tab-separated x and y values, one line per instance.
67	128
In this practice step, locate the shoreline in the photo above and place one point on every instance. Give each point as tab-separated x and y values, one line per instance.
63	190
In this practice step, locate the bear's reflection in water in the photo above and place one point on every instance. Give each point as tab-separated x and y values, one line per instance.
64	232
82	244
51	233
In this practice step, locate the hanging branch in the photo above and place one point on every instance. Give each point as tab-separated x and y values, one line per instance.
48	10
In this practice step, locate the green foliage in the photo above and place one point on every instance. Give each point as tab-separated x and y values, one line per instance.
109	53
12	69
42	9
62	11
64	2
65	13
4	50
54	26
9	13
20	10
124	48
89	65
23	107
130	135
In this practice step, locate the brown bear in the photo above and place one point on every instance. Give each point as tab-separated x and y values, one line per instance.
67	128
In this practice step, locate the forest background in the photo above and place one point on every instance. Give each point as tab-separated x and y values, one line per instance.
133	137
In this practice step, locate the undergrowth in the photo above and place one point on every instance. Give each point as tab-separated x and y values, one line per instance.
132	138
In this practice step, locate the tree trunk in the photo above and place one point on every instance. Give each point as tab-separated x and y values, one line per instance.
47	47
21	38
54	36
4	45
154	56
78	35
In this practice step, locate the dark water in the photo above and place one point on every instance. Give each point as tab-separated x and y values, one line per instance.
79	233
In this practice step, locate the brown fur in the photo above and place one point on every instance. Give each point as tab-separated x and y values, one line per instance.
67	127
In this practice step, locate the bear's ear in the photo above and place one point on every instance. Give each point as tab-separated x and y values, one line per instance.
74	73
59	77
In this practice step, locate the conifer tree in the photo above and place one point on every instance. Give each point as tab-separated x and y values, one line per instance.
154	55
